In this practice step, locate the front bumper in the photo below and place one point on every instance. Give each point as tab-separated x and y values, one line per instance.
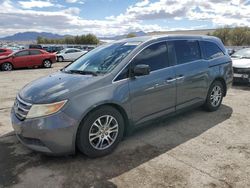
241	75
54	134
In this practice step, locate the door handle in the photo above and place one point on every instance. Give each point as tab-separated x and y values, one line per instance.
180	77
169	80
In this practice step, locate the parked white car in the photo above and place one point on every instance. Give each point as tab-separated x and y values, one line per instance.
241	65
69	54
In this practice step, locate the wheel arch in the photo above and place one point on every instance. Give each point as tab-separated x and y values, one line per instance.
111	104
222	80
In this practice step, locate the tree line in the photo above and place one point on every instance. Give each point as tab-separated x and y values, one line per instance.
238	36
82	39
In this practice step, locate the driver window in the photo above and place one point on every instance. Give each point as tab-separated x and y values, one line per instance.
156	56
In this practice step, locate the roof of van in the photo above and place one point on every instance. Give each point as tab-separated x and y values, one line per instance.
174	36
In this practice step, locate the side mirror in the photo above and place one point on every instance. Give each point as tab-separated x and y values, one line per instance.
141	70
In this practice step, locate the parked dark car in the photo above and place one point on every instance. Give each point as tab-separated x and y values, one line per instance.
27	58
53	49
93	102
5	52
35	46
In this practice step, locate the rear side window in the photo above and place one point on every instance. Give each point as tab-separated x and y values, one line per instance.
155	56
1	50
187	51
35	52
211	50
70	51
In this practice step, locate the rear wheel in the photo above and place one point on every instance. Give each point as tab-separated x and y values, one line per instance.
215	96
7	66
100	132
47	63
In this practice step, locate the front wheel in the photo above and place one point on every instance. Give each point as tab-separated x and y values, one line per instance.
7	67
60	59
214	97
47	64
100	132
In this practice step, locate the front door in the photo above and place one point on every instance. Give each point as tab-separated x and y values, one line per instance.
153	95
21	58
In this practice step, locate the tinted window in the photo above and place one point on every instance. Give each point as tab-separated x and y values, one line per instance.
211	50
35	52
22	53
70	51
1	50
187	51
155	56
124	74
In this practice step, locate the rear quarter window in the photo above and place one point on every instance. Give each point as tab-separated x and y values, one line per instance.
211	50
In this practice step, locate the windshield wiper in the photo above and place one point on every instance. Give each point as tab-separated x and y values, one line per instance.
82	72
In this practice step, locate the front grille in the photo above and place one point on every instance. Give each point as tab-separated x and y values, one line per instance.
21	108
241	70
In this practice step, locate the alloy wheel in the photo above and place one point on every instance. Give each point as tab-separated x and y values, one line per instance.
7	67
47	64
216	96
103	132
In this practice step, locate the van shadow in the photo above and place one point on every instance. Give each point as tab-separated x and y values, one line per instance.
142	146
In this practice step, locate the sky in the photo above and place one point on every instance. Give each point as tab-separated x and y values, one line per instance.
116	17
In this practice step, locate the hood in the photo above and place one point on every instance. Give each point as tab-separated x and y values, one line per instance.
55	87
241	63
4	57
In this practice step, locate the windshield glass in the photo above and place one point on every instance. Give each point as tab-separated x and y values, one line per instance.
102	59
244	53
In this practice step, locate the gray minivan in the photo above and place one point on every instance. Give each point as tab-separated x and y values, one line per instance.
90	104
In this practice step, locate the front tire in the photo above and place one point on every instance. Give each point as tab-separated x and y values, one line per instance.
60	59
7	67
214	97
100	132
47	64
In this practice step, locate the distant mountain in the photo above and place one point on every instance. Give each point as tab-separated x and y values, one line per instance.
30	36
138	34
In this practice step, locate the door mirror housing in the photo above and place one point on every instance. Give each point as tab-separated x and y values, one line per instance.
141	70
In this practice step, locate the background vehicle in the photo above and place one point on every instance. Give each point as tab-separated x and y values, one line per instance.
5	52
116	87
241	65
230	51
27	58
35	46
53	49
69	54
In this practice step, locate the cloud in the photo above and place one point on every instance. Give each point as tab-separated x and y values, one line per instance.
143	15
235	12
35	4
74	1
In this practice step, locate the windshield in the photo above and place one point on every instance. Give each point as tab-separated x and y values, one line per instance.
244	53
102	59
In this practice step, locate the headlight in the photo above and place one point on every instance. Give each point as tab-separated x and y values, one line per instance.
39	110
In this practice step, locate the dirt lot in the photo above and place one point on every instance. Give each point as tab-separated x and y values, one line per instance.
195	149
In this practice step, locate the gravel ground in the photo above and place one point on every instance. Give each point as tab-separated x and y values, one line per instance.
194	149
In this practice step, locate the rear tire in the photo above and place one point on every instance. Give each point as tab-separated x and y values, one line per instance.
100	132
47	63
7	66
214	96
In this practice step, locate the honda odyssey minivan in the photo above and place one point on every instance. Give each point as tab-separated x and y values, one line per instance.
90	104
